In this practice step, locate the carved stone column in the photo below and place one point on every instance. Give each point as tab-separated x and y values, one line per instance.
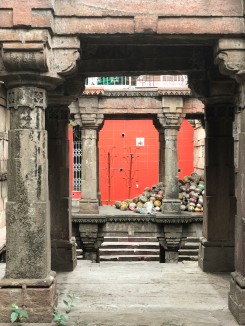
28	269
63	249
171	119
86	114
230	57
161	156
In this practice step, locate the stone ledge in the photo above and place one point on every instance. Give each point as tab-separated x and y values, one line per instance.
132	217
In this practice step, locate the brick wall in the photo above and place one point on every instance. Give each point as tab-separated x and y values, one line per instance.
4	126
199	152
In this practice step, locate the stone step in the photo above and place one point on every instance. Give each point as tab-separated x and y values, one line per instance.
189	258
129	258
130	245
189	245
130	239
185	252
193	239
130	252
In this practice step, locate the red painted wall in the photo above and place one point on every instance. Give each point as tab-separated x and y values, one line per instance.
185	149
117	144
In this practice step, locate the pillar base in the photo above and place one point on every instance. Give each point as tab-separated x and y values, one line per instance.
87	206
63	255
216	256
37	297
236	299
171	206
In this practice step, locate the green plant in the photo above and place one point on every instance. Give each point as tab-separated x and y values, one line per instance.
18	314
62	318
69	302
59	318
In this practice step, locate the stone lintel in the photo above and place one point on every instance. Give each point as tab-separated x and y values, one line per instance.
216	256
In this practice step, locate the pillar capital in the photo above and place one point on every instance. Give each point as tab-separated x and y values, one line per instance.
229	56
46	61
172	112
86	112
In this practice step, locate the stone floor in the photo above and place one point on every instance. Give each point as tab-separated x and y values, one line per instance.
145	294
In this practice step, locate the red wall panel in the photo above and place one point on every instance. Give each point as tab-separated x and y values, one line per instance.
185	149
131	167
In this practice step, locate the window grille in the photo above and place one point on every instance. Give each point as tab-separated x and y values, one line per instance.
77	159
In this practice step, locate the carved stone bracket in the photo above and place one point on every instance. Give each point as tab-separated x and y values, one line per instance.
172	112
85	112
230	54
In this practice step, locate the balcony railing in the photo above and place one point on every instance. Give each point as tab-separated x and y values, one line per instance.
144	81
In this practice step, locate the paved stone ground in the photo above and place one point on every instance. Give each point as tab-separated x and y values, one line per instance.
146	294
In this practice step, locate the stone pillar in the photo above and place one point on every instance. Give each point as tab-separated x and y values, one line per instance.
63	249
217	247
237	283
28	268
89	204
171	120
161	156
86	114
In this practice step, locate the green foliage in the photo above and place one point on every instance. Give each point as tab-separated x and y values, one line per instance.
69	302
59	318
18	314
62	318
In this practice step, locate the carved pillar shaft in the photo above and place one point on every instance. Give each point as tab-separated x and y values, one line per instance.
89	202
161	156
171	119
171	164
63	251
217	247
28	224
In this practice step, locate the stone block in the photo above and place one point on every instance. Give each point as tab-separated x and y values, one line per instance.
216	257
63	256
37	301
209	25
171	206
236	302
89	207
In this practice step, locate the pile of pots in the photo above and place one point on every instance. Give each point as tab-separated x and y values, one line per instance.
191	191
149	202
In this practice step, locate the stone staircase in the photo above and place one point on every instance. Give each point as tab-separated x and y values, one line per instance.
129	249
189	249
